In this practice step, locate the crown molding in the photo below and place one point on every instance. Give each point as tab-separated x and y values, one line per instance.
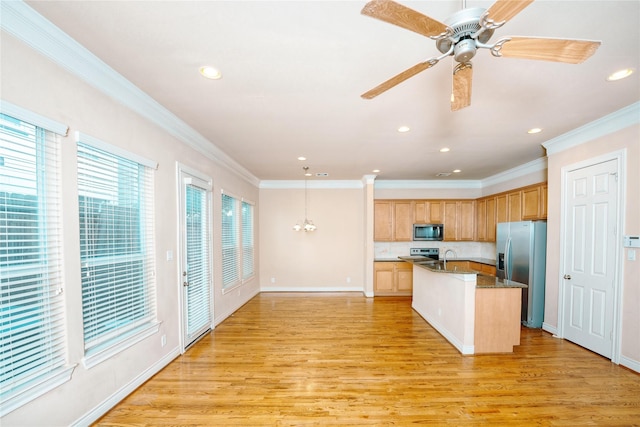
525	169
28	26
613	122
313	184
426	184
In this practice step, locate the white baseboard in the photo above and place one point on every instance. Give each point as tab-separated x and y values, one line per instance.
93	415
549	328
634	365
464	349
311	289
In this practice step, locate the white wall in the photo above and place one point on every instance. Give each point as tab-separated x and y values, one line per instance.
33	82
328	259
587	147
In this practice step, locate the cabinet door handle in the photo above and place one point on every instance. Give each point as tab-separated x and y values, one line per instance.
567	276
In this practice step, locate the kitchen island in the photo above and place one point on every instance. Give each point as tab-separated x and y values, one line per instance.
476	313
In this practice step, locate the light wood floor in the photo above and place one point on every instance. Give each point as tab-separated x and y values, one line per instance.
341	359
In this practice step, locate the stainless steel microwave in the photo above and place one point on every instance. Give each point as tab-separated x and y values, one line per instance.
428	231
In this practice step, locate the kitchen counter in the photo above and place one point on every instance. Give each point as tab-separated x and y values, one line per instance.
476	313
482	280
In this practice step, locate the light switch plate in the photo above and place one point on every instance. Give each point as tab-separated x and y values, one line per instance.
631	254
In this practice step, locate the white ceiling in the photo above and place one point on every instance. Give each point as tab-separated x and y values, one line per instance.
293	72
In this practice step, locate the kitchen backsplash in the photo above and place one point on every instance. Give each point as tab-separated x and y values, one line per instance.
392	250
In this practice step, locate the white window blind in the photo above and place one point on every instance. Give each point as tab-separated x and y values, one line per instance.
32	340
230	242
247	240
198	261
116	244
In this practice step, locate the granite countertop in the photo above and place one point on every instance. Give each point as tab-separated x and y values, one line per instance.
482	280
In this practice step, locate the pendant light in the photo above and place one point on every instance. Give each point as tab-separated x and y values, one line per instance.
307	225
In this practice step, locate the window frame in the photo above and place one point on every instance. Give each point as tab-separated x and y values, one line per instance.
240	229
106	345
46	155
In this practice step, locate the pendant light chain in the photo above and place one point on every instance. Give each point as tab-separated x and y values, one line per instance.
307	225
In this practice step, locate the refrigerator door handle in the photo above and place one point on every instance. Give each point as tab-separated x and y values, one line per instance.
507	259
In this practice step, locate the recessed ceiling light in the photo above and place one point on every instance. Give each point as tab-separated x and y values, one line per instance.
620	74
302	158
308	174
457	171
444	149
210	72
403	129
376	171
534	130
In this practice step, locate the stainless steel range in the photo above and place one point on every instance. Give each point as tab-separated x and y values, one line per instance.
433	253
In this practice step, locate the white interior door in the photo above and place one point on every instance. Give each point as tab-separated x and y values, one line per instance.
196	261
590	256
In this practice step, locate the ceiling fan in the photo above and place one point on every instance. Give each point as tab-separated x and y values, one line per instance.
466	31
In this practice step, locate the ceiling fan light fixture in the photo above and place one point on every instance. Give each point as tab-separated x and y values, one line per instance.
620	74
210	72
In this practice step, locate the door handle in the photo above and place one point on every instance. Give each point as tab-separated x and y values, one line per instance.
567	276
185	283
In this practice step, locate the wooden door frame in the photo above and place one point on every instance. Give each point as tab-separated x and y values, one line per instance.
620	157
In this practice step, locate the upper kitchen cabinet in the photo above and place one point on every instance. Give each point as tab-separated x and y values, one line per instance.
428	212
534	202
523	204
486	219
459	220
393	220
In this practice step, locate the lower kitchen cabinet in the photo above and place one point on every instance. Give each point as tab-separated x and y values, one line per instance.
392	278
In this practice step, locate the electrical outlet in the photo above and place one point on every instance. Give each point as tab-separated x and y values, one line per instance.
163	340
348	279
273	280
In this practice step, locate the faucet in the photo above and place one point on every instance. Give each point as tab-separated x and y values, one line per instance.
445	256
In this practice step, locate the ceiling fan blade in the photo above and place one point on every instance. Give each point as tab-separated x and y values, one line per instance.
546	49
504	10
461	95
397	14
395	80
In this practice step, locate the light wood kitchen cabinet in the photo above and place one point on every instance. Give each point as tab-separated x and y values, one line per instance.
543	201
459	220
534	202
514	206
501	208
403	220
392	278
428	212
481	220
491	219
382	221
393	220
483	268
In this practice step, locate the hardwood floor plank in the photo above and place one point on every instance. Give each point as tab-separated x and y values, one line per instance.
344	360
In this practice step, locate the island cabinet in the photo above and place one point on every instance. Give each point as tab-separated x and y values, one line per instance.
392	278
459	220
393	220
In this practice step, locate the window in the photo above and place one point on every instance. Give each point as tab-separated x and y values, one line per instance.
230	246
115	193
237	230
32	341
247	240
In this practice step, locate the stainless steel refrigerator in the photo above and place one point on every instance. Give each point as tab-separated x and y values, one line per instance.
521	256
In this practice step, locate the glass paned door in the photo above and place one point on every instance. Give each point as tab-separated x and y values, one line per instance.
196	259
